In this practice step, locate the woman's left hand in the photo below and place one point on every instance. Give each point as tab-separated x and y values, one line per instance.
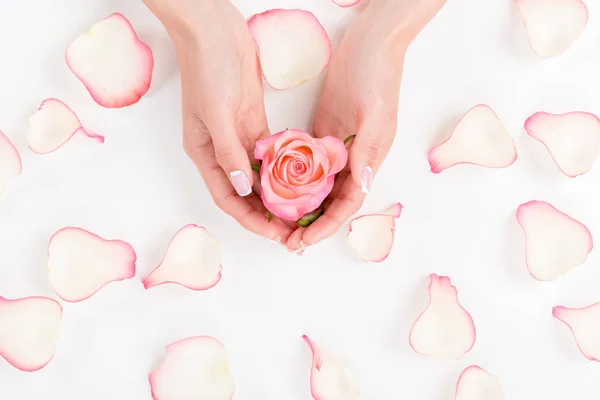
360	98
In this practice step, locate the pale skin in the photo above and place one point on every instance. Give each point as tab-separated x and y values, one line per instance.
224	113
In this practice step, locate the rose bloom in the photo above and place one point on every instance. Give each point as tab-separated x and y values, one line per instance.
298	171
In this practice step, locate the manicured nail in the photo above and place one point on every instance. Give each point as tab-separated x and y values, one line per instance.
366	179
276	240
240	183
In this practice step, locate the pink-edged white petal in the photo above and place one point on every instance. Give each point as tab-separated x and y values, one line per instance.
52	125
479	138
293	46
573	139
346	3
372	235
330	377
10	162
194	368
555	242
553	25
584	324
80	263
192	260
29	330
444	329
113	64
475	383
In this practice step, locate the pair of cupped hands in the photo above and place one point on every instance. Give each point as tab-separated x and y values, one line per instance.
224	113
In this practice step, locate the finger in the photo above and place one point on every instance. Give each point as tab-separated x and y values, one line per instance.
248	211
368	150
344	204
231	155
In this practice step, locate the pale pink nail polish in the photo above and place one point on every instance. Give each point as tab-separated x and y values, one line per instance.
366	179
240	183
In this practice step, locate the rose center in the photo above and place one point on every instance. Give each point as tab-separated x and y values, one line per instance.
299	167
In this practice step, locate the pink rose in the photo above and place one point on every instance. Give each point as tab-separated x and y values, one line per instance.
298	171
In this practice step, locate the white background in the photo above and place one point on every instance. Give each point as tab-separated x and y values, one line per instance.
140	187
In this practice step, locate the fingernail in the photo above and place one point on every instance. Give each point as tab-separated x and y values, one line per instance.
366	179
276	240
303	245
240	183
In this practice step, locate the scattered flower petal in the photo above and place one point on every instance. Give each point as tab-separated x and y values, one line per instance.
111	62
555	242
293	46
330	378
10	162
372	236
194	368
52	125
480	138
346	3
476	383
192	260
81	263
573	139
584	323
444	329
553	25
29	330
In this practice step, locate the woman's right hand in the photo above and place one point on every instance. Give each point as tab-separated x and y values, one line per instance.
223	104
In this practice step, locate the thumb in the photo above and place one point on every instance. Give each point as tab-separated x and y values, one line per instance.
233	158
368	149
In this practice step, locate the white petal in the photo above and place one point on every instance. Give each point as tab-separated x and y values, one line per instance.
80	263
585	326
193	260
445	329
10	162
555	242
293	46
476	383
479	138
195	368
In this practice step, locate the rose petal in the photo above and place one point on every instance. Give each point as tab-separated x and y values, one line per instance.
573	139
192	260
476	383
52	125
555	242
553	25
338	155
346	3
293	46
264	146
480	138
111	62
29	329
330	378
444	329
584	324
194	368
80	263
372	235
10	162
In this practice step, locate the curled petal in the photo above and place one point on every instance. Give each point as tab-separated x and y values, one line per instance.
29	330
52	125
192	260
476	383
80	263
10	162
480	138
330	378
444	329
346	3
553	25
293	46
194	368
584	324
555	242
573	139
372	235
111	62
